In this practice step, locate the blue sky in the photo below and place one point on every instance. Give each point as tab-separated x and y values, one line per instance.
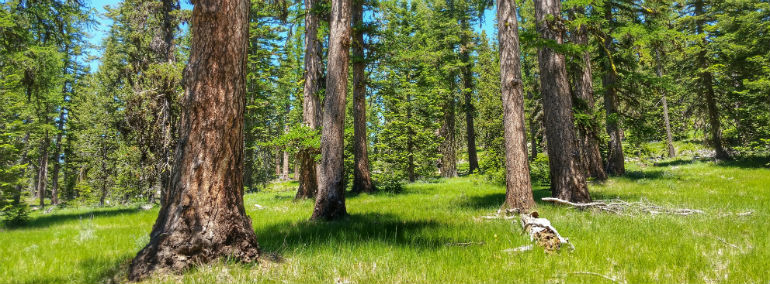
102	26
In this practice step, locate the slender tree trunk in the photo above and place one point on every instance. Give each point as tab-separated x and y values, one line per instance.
330	202
362	180
708	89
42	175
22	160
567	179
285	166
311	106
56	164
410	142
447	131
669	139
105	175
278	162
588	134
518	187
615	160
204	218
470	131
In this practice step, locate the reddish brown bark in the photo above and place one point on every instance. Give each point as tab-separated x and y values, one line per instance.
615	157
330	201
311	105
362	178
518	187
588	132
204	217
567	179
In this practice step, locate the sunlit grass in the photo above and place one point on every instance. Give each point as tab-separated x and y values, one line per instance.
410	237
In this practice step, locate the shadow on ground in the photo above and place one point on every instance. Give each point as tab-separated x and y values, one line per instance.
754	162
359	228
56	218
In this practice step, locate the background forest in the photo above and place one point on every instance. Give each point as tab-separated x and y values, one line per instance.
421	137
81	128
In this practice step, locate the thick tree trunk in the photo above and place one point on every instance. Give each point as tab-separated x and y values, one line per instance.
588	134
708	89
567	179
362	180
518	187
204	218
42	174
615	159
330	202
470	131
669	138
447	131
311	106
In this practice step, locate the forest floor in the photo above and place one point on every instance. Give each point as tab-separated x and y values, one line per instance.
433	232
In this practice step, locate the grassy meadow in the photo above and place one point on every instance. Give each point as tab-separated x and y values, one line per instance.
432	233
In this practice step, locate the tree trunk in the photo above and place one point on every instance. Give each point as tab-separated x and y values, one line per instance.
22	160
669	139
362	180
285	165
105	175
330	202
42	174
470	131
204	218
518	187
588	134
567	179
311	106
615	160
56	165
410	142
708	89
447	131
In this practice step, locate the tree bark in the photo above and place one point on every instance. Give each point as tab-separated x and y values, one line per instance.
204	218
588	134
567	179
56	164
518	187
669	138
362	180
708	88
447	131
615	160
42	174
330	202
470	131
311	105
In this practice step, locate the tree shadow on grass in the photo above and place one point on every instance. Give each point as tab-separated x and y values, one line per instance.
648	174
56	218
357	228
752	162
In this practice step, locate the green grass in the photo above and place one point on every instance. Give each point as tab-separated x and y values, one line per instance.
407	237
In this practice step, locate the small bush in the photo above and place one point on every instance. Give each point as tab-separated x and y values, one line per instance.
539	170
389	185
15	215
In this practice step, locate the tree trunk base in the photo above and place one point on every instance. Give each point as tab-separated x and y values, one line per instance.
186	246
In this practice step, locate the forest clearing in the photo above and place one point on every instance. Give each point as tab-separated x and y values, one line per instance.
384	141
434	232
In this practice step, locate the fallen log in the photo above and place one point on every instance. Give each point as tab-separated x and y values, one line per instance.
619	206
543	233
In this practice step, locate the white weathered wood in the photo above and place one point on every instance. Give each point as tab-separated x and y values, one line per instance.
540	229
